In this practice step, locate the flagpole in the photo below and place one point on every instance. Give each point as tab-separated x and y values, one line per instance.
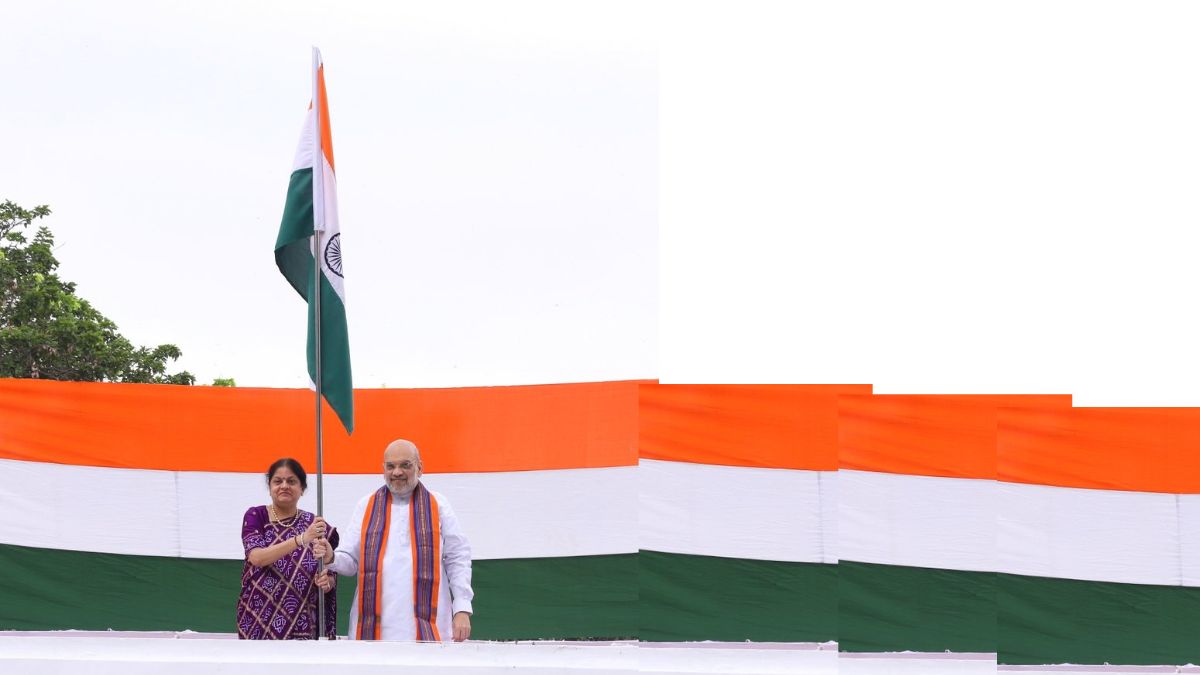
318	227
320	444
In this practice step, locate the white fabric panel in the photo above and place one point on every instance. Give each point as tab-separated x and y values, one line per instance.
731	512
920	521
211	506
526	514
1093	535
1189	534
1036	530
522	514
539	514
827	482
304	151
83	508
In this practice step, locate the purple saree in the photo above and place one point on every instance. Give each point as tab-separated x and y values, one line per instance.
279	601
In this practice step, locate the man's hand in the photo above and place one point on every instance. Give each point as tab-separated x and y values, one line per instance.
325	583
322	550
462	626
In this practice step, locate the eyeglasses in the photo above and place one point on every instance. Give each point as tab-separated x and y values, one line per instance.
391	466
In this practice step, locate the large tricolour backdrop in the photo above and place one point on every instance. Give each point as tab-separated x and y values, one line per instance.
123	503
1010	525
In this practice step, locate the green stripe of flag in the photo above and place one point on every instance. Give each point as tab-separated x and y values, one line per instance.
293	252
694	597
1043	620
891	608
662	596
536	598
337	387
1025	620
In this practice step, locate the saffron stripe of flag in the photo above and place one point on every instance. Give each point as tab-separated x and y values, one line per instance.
242	430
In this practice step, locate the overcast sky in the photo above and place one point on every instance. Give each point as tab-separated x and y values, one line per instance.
929	196
497	179
934	196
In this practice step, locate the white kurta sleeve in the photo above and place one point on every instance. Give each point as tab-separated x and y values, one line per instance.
345	558
456	557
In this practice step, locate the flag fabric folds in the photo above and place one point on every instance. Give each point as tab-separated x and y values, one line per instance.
311	211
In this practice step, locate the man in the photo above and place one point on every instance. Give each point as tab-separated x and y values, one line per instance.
378	546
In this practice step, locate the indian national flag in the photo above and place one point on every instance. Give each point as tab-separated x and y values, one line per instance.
311	214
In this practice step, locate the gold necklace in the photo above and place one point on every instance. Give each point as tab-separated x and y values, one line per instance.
275	519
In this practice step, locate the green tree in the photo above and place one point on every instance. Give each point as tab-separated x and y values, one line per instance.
224	382
48	332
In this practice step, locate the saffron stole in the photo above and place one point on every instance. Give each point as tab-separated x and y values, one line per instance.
425	535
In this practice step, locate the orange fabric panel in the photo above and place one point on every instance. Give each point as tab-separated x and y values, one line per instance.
326	128
772	426
474	429
1137	449
928	434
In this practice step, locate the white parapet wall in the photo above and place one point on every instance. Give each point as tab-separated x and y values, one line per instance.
193	654
132	653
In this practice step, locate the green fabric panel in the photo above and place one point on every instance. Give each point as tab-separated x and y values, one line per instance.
886	608
293	252
691	597
1046	620
48	589
337	384
580	597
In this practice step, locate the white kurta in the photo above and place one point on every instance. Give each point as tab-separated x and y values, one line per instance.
396	614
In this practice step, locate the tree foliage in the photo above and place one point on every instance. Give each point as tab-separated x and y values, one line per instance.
48	332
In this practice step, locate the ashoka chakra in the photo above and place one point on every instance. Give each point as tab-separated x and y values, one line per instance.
333	254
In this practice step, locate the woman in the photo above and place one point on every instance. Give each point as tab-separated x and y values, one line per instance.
279	592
